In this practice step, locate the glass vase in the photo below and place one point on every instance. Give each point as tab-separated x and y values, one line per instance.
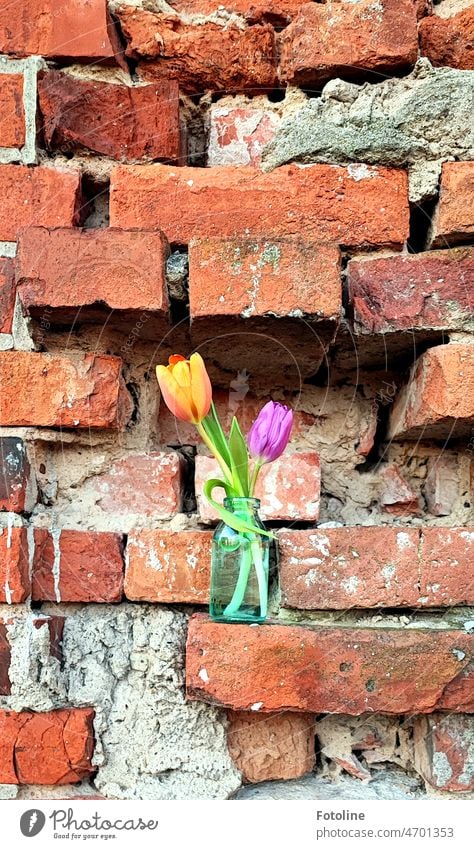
239	567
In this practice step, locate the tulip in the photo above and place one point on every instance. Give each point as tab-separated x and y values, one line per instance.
270	432
186	388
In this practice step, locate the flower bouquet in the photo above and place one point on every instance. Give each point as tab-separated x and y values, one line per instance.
241	543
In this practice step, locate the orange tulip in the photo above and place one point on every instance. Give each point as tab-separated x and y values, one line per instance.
186	387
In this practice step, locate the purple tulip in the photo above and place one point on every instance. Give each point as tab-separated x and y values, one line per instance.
270	432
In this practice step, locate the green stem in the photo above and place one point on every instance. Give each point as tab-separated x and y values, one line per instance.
242	580
219	458
253	479
261	578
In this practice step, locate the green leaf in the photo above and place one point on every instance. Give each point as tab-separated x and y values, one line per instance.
239	457
213	428
229	518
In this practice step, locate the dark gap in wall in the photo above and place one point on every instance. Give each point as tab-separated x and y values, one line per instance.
188	452
276	95
376	452
420	224
120	44
135	395
94	210
177	277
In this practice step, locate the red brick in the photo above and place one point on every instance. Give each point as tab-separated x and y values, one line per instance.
288	489
14	571
61	392
403	292
340	568
438	400
442	483
446	566
200	56
46	748
449	41
126	123
5	660
345	39
396	495
351	670
444	751
55	626
77	566
454	219
69	269
271	747
15	474
459	693
252	278
36	196
166	566
12	116
75	29
7	295
142	484
276	12
238	134
320	202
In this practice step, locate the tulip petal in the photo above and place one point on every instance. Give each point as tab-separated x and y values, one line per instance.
200	385
175	399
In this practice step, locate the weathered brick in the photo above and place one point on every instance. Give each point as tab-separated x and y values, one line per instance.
442	484
14	570
357	205
5	660
438	400
237	134
323	669
444	751
75	29
427	291
454	218
446	566
459	693
77	566
396	494
200	56
271	747
340	568
126	123
46	748
40	196
15	474
252	278
7	295
449	41
166	566
12	115
276	12
141	484
345	39
265	289
288	489
52	391
68	269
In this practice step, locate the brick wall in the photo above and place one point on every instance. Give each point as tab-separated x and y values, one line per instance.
287	187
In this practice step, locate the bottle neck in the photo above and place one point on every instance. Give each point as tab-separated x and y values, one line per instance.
242	506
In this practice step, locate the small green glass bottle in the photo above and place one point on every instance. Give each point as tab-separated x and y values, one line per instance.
239	567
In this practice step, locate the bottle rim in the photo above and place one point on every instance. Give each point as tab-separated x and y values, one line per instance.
242	500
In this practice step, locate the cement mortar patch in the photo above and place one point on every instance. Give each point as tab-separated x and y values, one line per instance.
419	121
127	663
